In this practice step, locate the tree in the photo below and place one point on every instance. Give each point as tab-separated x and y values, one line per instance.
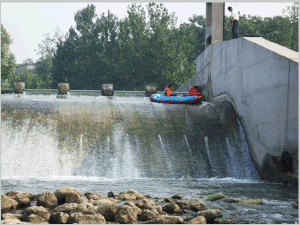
8	61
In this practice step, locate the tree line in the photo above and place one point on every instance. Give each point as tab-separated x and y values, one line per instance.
146	47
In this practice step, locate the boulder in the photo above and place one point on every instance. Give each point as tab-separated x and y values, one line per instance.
81	218
232	200
164	219
107	210
223	220
125	197
171	208
210	214
136	209
12	221
68	195
6	216
67	207
85	208
199	205
35	219
126	214
82	200
177	196
7	203
23	198
59	218
47	199
103	202
94	197
184	205
148	204
110	194
170	200
152	205
137	195
36	210
197	220
147	214
215	197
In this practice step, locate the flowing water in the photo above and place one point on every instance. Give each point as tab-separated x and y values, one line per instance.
102	144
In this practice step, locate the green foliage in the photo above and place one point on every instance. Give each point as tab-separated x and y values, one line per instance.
8	61
145	47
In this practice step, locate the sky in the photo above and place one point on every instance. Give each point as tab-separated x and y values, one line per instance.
27	22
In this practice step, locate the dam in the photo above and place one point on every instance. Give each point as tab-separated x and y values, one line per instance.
101	144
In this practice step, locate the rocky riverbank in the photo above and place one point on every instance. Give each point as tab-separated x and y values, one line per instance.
68	205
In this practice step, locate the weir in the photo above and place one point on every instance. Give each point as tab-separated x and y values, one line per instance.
121	137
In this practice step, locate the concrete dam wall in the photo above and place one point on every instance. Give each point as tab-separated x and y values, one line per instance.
260	79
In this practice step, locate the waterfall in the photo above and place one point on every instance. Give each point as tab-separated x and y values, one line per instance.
120	138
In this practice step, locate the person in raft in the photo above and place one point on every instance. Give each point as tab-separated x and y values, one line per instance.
194	91
168	90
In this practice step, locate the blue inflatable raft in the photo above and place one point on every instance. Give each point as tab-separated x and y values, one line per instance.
160	98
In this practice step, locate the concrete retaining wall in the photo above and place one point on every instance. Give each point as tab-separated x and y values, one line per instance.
260	79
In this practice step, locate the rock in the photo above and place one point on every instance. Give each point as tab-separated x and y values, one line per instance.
147	196
82	200
137	210
198	205
171	208
147	214
215	197
23	198
164	219
35	219
232	200
81	218
140	204
170	200
68	195
85	208
197	220
67	207
7	203
184	205
137	195
126	197
47	199
261	222
12	221
126	214
110	194
107	210
148	204
152	205
225	221
37	210
94	197
6	216
103	202
59	218
177	196
210	214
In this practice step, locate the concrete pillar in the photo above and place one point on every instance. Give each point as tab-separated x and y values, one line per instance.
107	89
63	88
150	89
214	26
19	87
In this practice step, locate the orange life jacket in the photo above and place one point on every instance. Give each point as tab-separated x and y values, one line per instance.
194	91
168	92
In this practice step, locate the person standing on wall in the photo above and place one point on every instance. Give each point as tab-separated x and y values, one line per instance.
234	22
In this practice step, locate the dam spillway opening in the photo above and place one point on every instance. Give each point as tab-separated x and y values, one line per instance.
121	137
